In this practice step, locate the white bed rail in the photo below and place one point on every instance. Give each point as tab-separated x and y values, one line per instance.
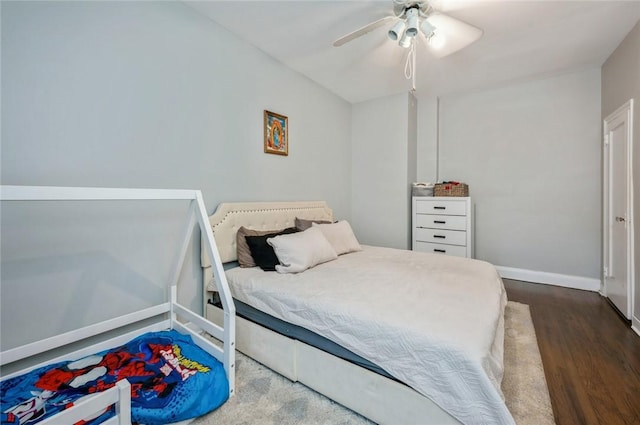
197	214
60	340
118	396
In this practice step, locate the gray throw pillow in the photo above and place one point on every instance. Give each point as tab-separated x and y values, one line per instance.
303	224
242	249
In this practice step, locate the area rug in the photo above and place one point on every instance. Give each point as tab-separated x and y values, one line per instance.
524	385
265	398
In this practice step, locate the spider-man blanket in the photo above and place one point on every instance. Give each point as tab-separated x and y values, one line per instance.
171	378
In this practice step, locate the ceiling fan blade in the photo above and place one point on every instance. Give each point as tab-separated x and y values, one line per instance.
455	33
362	31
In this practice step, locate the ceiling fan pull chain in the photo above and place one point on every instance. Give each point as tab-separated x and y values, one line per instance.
413	66
408	66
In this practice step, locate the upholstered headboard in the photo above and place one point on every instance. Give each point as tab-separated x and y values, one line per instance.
229	217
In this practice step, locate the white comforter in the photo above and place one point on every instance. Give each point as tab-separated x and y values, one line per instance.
434	322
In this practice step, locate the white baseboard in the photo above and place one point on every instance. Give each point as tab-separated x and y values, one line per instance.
567	281
635	324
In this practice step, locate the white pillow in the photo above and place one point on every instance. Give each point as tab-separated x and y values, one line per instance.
340	236
300	251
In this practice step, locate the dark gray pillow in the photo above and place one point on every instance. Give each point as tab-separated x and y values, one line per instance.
303	224
262	253
242	249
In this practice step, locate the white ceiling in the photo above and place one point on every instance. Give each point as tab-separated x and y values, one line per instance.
522	40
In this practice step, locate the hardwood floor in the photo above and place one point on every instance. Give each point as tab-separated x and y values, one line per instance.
591	356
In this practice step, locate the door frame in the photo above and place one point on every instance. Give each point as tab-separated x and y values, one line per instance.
627	110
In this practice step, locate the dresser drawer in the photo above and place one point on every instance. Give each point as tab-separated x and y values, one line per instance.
442	225
436	248
451	237
452	222
446	207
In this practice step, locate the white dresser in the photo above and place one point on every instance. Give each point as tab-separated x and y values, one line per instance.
442	224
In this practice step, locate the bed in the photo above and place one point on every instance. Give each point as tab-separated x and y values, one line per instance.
154	365
433	324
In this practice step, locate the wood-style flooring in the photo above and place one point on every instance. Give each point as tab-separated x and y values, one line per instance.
591	356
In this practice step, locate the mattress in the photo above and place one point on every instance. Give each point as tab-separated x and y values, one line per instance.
434	322
303	335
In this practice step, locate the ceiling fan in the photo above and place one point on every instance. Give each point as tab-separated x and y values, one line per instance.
444	34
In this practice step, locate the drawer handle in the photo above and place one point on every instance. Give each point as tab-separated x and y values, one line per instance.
439	236
439	222
444	251
439	208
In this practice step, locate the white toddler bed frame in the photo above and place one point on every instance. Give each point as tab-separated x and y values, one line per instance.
168	315
374	396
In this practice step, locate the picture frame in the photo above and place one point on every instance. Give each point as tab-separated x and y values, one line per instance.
276	133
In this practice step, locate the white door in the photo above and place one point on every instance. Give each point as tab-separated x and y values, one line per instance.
618	260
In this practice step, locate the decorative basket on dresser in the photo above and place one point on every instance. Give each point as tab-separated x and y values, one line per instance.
442	224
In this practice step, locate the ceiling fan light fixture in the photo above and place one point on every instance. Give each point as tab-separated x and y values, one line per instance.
437	40
444	34
405	41
427	29
412	22
396	31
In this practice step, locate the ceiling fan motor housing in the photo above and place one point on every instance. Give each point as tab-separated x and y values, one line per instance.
401	7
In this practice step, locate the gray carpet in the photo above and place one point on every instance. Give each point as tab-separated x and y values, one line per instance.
265	398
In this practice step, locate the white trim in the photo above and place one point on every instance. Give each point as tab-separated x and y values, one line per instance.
557	279
635	324
625	110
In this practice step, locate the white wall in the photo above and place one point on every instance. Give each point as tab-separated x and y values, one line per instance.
620	82
152	94
427	149
531	156
383	149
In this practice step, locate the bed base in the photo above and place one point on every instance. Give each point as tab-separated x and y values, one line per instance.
374	396
167	315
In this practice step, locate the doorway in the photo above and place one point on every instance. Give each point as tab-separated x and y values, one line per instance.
618	271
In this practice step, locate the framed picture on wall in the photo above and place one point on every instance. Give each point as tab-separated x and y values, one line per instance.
276	133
